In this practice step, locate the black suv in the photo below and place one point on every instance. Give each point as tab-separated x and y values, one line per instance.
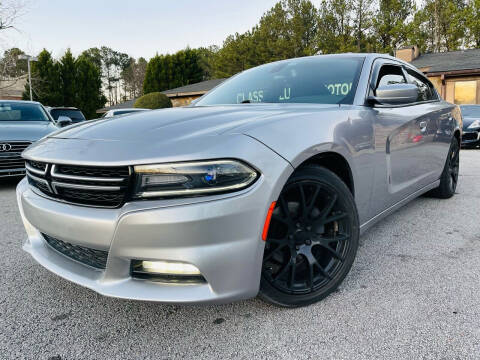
73	113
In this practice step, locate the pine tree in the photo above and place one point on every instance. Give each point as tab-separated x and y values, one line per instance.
88	87
67	74
46	81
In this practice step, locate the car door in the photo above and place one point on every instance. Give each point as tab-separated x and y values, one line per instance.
403	136
439	124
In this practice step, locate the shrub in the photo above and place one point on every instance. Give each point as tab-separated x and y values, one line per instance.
154	100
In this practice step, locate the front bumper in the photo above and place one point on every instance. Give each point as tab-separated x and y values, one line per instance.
471	137
220	235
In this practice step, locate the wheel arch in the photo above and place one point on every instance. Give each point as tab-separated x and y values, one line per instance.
334	162
457	135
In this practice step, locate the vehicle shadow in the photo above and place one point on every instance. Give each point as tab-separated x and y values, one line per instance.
9	183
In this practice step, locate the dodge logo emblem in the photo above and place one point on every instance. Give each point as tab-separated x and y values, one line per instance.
5	147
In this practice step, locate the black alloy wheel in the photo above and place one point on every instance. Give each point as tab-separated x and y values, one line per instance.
449	177
454	166
312	239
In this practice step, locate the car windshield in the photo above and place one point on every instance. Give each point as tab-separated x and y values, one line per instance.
319	80
75	115
22	111
470	111
122	112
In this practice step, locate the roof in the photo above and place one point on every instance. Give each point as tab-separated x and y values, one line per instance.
194	89
449	61
18	101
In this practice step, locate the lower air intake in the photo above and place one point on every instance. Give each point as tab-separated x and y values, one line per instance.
87	256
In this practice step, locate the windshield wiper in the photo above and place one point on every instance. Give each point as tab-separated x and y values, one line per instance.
246	101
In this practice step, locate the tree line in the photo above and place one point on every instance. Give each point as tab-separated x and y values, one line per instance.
295	28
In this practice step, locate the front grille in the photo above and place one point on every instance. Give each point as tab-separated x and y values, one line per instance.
469	136
87	256
11	160
102	172
82	185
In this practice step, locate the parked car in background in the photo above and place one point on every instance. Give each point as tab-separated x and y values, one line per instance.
471	125
21	124
117	112
263	186
73	113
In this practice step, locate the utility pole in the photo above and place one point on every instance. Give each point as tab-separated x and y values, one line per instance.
29	58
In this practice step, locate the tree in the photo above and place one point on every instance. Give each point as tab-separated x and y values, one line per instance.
472	13
363	17
93	54
10	64
46	81
68	78
390	24
10	12
206	60
439	26
165	72
133	76
68	82
88	87
153	100
237	54
335	30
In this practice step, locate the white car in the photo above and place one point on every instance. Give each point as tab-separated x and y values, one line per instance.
112	113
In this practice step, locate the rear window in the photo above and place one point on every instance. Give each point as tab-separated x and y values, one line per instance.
19	111
75	115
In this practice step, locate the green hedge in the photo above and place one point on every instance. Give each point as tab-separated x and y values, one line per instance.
154	100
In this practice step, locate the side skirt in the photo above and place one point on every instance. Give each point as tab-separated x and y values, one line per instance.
365	226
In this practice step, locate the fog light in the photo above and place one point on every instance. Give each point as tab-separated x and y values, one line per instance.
169	268
166	271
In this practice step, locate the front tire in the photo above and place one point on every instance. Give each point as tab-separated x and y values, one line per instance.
312	241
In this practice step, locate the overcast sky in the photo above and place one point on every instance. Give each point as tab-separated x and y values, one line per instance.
138	28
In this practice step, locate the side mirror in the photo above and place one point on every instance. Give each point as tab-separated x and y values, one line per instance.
63	121
395	94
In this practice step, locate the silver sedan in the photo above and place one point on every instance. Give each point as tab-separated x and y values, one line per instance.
263	186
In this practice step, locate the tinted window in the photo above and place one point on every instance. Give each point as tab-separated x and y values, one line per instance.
425	89
470	111
20	111
75	115
390	75
321	80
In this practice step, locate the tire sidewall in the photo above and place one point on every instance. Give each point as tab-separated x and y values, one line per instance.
331	180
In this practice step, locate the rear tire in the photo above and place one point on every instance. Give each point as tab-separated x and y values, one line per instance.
449	177
312	240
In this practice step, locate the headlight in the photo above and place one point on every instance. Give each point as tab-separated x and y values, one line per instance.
192	178
474	124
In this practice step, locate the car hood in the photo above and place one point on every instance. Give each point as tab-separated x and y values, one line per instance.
171	125
467	121
25	130
178	134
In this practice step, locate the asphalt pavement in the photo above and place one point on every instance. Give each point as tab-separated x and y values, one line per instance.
413	293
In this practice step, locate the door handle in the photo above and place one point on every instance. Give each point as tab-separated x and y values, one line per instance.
422	125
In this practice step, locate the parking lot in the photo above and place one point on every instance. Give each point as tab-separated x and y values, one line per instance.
413	293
